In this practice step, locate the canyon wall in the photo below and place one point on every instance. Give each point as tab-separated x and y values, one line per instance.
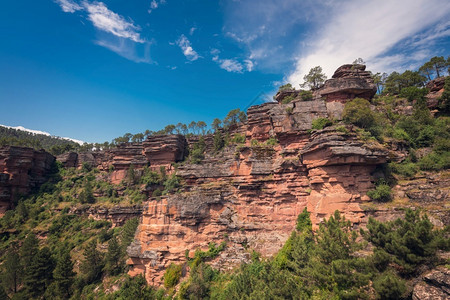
249	195
21	170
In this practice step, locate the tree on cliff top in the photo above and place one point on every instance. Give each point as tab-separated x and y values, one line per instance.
314	79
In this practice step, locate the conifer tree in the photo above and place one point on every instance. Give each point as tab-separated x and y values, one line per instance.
92	264
64	274
12	273
28	250
39	274
114	262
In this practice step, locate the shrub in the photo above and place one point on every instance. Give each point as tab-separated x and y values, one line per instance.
321	123
272	141
435	161
389	286
306	95
288	99
381	193
402	135
289	110
171	184
406	168
172	275
238	138
358	112
285	87
413	93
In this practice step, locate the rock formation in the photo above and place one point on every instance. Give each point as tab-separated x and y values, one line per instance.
250	194
434	286
435	89
21	170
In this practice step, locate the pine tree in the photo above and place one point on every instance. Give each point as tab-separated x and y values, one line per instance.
92	264
12	273
114	262
39	274
29	249
64	274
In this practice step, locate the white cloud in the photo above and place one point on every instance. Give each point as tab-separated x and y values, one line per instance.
231	65
192	30
69	5
155	4
137	52
187	49
371	30
108	21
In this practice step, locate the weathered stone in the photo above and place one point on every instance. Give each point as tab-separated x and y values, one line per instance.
435	286
22	169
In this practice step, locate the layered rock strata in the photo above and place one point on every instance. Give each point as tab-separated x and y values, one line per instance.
21	170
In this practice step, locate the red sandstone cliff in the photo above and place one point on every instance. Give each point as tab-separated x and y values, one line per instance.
21	170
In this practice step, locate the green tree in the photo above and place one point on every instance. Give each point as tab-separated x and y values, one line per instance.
28	250
63	274
216	124
113	260
169	129
315	78
201	127
12	270
86	195
410	241
137	138
234	117
439	64
39	274
93	264
128	231
131	175
193	127
219	141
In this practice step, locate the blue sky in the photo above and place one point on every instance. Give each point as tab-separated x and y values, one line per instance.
94	70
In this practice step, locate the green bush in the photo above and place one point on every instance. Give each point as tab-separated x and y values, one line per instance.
358	112
382	193
389	286
413	93
288	99
272	141
238	139
306	95
435	161
406	168
172	275
321	123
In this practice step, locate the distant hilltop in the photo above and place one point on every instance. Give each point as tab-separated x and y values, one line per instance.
21	128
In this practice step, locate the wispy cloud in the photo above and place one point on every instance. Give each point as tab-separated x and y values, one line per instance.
187	49
232	65
154	4
137	52
387	34
69	6
108	21
192	30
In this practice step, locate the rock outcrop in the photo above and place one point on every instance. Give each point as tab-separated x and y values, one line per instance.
435	89
250	194
21	170
434	286
118	215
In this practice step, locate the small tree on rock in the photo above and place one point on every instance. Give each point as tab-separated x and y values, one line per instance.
314	79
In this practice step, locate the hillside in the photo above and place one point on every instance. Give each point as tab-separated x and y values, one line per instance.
267	207
19	136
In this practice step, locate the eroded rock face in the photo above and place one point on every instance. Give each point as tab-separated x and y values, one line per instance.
118	215
348	82
436	88
164	150
21	170
435	286
250	196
